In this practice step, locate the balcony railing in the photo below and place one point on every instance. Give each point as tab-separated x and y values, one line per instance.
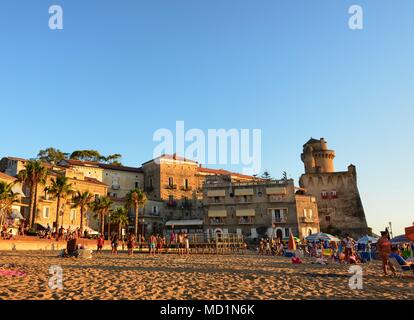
188	188
308	220
246	220
171	203
276	198
171	186
217	222
115	187
279	220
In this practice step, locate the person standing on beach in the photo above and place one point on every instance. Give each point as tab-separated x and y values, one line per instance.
180	242
100	243
130	244
349	246
152	243
114	244
187	243
384	250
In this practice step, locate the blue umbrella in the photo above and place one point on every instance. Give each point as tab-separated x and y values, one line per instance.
400	239
321	237
366	239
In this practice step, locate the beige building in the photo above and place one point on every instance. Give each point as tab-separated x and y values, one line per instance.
275	208
339	203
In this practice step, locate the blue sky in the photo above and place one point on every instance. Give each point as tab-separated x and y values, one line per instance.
122	69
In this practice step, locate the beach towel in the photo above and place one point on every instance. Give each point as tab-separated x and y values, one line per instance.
12	273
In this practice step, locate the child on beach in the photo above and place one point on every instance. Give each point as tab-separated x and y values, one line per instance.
100	243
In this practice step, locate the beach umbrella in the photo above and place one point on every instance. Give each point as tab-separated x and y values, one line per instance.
292	243
365	239
322	237
400	239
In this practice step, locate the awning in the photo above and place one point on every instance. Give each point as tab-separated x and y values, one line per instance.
217	213
243	192
16	215
216	193
195	222
245	213
276	190
18	189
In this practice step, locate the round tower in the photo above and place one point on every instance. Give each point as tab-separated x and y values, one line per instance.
324	160
308	159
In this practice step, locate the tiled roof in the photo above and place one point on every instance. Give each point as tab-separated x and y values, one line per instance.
172	157
223	172
95	181
102	165
4	176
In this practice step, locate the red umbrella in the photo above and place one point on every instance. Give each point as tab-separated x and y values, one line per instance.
292	243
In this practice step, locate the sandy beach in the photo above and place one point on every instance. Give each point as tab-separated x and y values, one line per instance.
169	276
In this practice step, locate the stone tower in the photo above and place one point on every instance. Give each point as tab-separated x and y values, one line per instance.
339	203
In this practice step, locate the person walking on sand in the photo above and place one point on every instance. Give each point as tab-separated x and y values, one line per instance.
130	244
100	243
152	243
349	246
187	243
384	250
180	241
114	244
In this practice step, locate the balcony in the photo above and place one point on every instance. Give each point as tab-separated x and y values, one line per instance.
217	222
276	198
243	200
188	188
308	220
279	220
246	220
171	186
115	187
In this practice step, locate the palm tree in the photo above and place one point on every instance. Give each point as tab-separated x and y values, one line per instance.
82	200
60	189
101	206
33	174
136	198
7	198
120	216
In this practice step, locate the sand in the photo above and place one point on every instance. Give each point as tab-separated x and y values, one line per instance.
231	276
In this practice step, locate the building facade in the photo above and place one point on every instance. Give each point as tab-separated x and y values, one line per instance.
339	203
254	209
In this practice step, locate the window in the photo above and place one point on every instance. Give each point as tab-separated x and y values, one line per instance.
46	211
287	232
328	218
154	209
324	195
186	183
216	199
73	215
171	198
136	184
334	194
278	214
308	213
150	182
170	181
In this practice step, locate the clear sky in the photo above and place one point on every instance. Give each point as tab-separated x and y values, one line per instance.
119	70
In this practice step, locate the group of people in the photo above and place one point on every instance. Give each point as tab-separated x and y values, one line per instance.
156	243
270	247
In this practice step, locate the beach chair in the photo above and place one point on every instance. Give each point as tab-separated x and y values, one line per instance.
399	267
327	254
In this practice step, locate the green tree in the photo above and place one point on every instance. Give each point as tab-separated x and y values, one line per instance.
101	206
82	200
136	199
86	155
7	198
60	189
120	217
51	155
33	174
266	175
